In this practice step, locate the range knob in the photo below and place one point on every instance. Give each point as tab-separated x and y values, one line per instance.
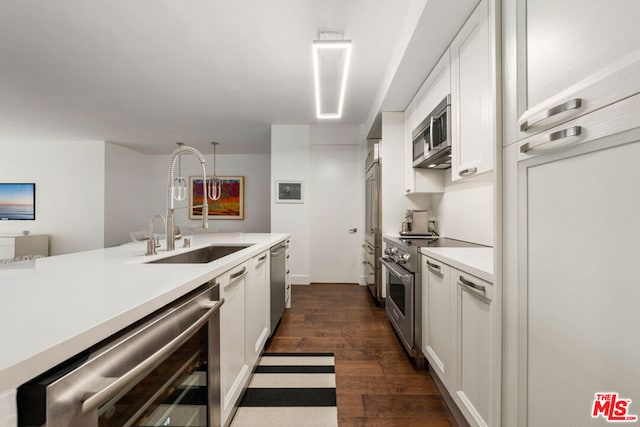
391	251
403	259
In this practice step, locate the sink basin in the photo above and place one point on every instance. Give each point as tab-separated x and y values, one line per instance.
200	256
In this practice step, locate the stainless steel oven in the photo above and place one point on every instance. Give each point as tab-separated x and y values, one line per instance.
399	302
162	371
403	301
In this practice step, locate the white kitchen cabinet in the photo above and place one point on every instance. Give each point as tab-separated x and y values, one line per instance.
461	339
234	366
475	390
473	95
439	319
434	89
572	57
21	245
578	227
257	307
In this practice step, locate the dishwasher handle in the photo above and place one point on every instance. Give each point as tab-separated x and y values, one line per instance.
101	397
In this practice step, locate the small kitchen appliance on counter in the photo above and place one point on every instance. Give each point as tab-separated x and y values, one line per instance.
416	223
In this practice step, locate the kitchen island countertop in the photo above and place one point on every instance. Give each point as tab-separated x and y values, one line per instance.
53	308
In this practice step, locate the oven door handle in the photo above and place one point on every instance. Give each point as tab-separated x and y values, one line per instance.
405	277
120	383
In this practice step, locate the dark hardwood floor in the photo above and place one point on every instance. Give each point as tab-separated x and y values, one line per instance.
376	384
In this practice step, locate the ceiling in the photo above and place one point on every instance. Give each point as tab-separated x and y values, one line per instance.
148	73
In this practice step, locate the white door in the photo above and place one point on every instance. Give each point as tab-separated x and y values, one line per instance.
336	198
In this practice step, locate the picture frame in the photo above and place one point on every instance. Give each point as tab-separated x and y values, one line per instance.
289	191
229	206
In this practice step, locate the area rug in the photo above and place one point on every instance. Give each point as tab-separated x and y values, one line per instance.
290	389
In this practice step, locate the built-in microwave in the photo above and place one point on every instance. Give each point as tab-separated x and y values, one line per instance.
432	138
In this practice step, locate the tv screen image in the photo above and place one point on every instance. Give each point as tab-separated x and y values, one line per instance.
17	201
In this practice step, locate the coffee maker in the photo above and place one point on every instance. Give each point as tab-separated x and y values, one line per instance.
416	223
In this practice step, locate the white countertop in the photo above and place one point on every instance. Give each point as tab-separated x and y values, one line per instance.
53	308
475	261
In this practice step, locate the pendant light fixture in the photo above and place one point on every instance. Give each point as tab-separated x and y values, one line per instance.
214	186
179	183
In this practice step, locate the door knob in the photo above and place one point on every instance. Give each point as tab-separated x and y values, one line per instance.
353	230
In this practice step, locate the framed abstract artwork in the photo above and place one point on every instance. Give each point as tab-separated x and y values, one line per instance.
289	192
231	202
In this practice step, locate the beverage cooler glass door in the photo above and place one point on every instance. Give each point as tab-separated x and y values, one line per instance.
163	371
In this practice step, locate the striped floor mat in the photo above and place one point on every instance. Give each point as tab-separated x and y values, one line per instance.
290	389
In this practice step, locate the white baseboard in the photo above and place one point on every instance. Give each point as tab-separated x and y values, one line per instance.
300	279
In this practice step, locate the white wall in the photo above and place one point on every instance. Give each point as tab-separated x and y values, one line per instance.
70	183
290	159
256	171
127	193
465	211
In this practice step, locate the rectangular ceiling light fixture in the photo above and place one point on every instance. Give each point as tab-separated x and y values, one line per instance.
330	69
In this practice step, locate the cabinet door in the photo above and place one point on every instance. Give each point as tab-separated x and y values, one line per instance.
438	298
473	113
234	370
574	57
475	391
579	228
257	306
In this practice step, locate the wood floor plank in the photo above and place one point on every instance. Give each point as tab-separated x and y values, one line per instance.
376	384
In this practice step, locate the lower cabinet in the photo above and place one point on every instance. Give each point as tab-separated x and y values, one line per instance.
245	319
257	306
475	388
459	339
234	367
438	320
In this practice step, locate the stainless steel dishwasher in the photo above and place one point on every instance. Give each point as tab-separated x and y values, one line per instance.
277	284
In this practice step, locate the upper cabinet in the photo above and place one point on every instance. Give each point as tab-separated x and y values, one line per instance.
473	95
569	63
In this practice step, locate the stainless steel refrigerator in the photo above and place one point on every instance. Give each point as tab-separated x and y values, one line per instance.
373	233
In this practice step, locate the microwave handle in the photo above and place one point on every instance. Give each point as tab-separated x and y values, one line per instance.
431	134
101	397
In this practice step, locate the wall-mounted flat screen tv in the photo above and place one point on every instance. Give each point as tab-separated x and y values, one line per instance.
17	201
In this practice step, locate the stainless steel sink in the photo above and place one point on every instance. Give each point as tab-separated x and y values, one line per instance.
200	256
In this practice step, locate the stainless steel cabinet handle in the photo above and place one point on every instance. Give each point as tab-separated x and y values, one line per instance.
477	287
434	266
353	230
238	273
263	257
288	271
468	171
147	365
552	137
408	190
572	104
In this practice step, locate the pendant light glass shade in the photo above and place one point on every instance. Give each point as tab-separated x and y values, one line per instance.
214	186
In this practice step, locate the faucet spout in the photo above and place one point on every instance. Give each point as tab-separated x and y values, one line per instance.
184	149
152	244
